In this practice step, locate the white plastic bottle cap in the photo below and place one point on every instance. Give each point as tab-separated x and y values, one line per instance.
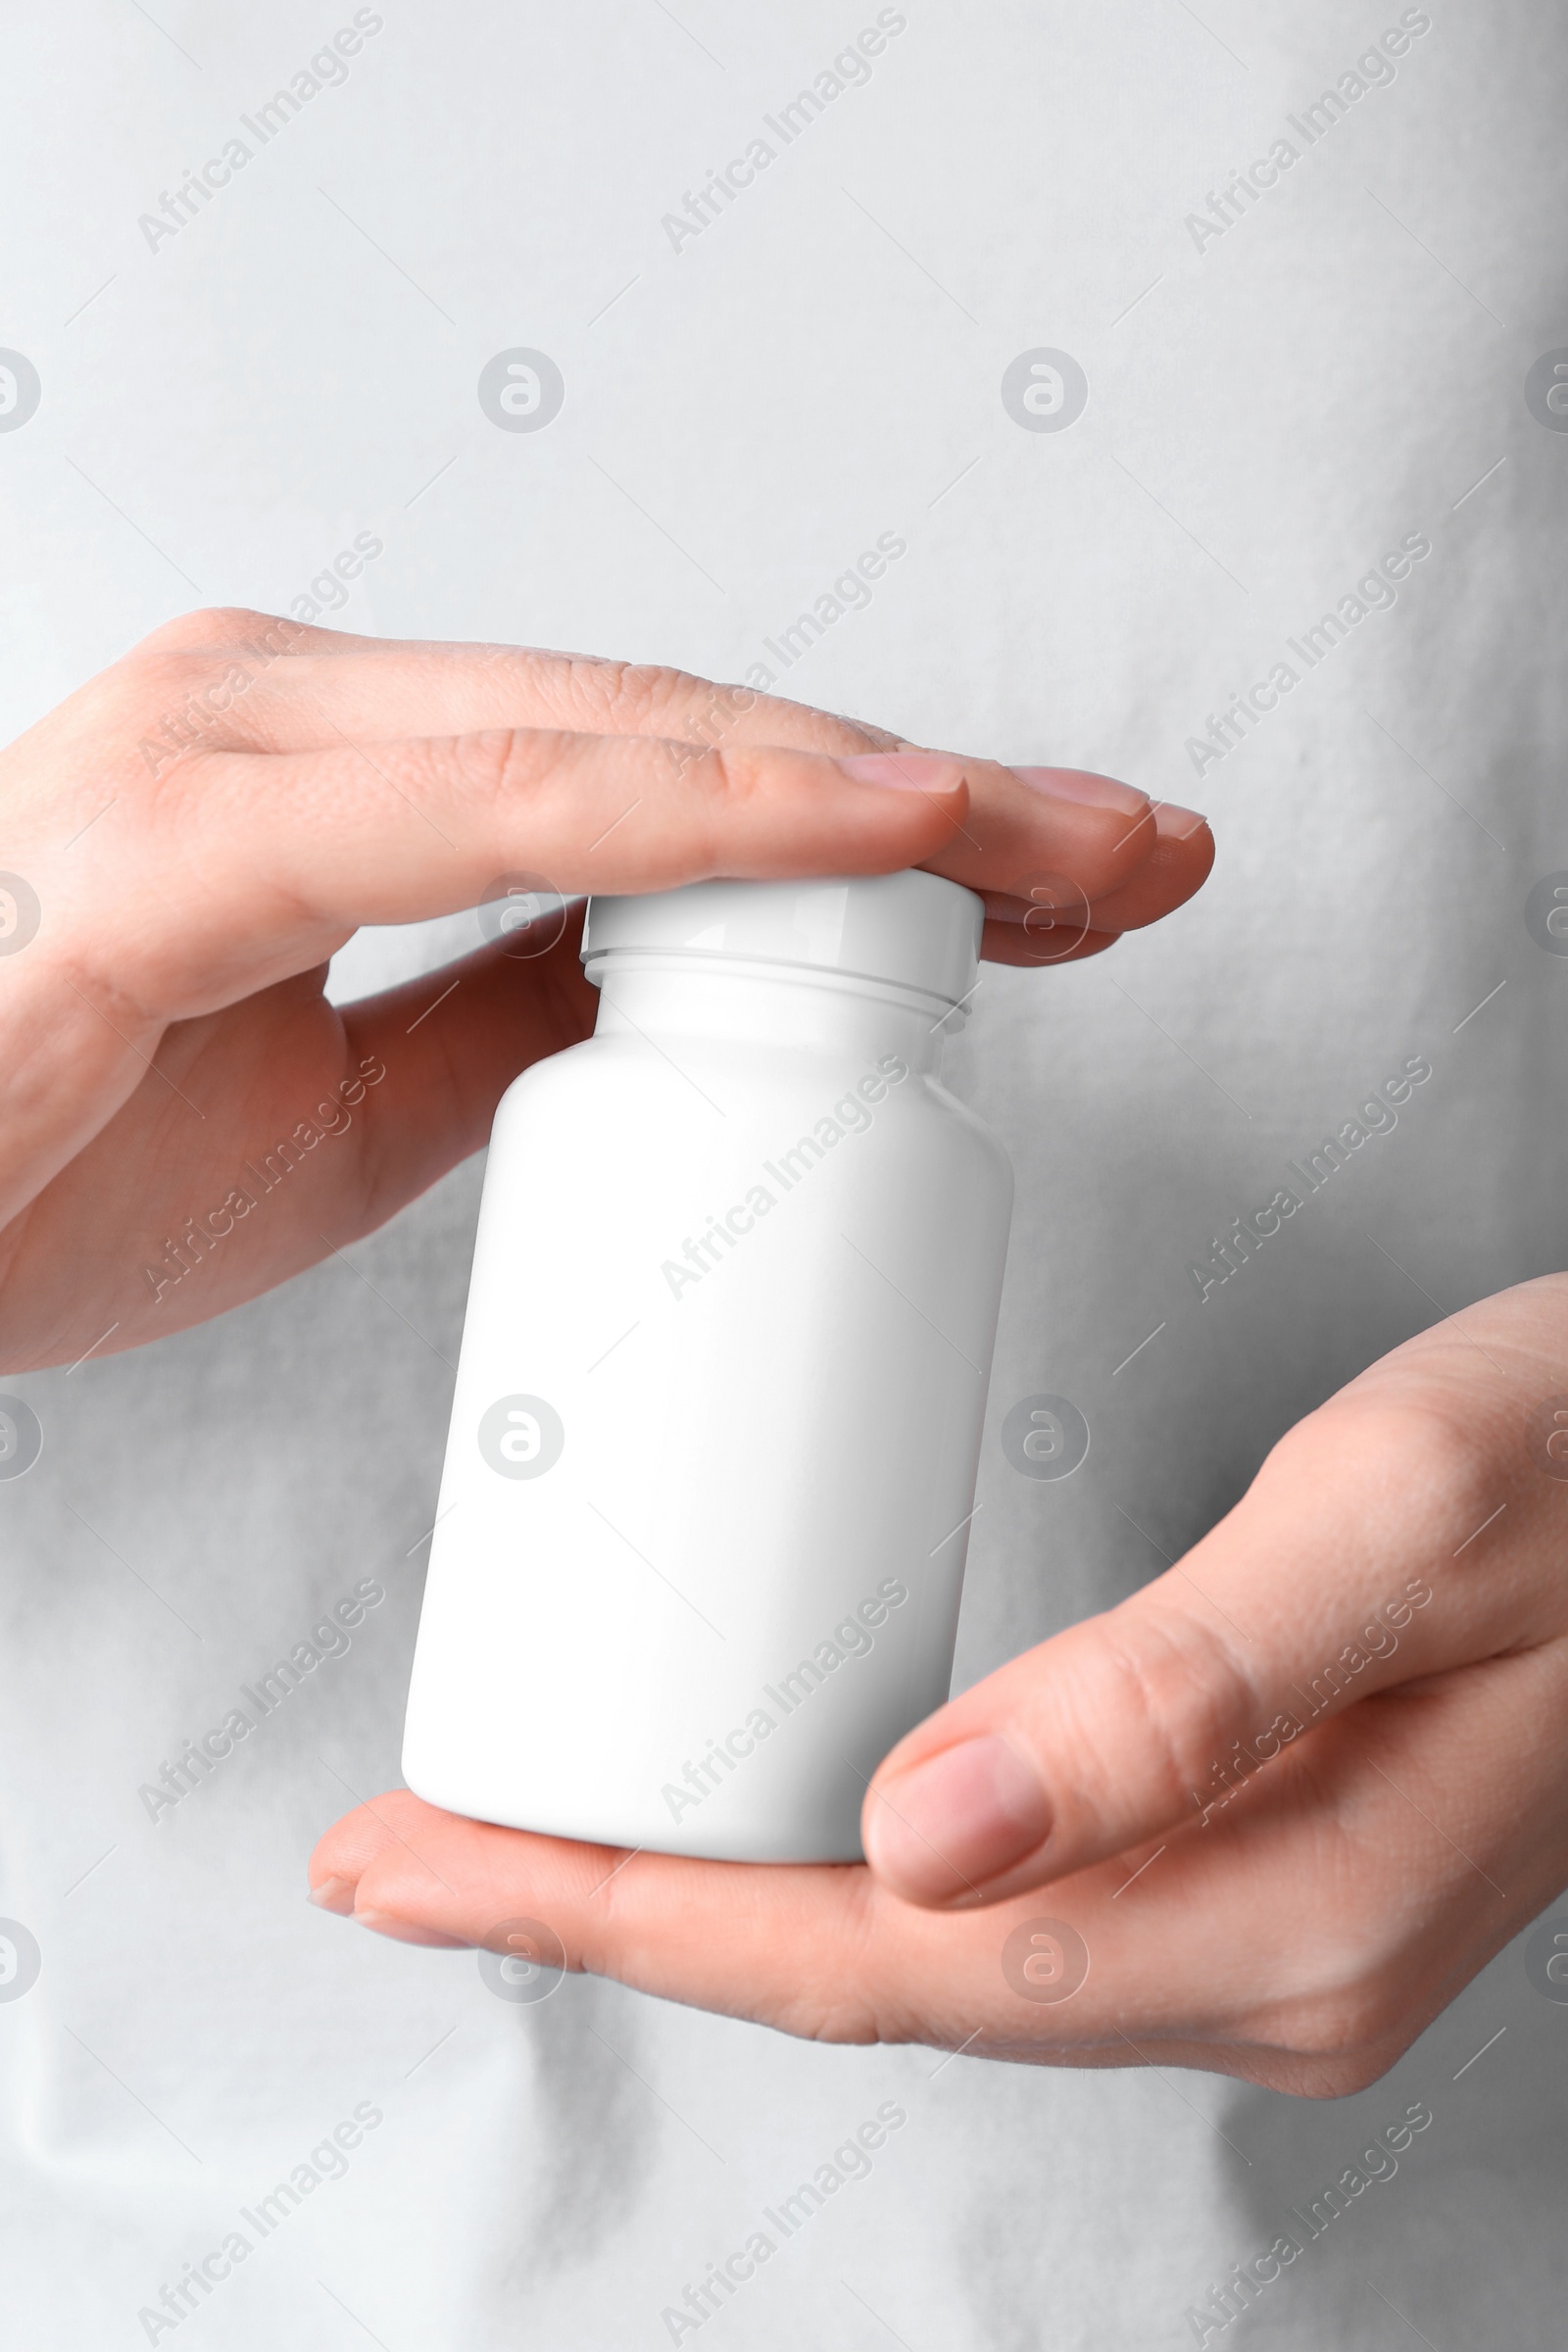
912	929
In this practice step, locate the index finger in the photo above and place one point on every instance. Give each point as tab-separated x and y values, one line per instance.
249	869
1082	839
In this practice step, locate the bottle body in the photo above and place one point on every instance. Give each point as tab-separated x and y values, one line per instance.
718	1416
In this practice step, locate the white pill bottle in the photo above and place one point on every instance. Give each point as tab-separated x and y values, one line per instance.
708	1487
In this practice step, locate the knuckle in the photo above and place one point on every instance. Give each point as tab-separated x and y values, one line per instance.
1342	2080
1181	1688
1357	2029
801	727
100	985
1350	1998
154	677
842	733
733	778
1417	1465
633	698
1446	1455
209	627
499	764
175	699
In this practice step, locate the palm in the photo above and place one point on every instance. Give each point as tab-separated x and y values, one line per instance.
262	1139
1205	1957
1359	1676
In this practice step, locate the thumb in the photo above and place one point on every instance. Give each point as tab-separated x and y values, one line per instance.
1306	1598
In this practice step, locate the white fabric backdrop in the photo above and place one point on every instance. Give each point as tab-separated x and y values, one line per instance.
1270	410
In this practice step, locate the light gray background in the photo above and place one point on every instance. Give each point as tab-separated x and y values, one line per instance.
1265	419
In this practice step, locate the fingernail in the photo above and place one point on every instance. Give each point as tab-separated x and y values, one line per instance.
905	772
1091	792
334	1895
961	1818
382	1923
1184	822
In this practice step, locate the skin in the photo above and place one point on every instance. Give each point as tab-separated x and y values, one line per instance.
1324	1893
206	822
1300	1933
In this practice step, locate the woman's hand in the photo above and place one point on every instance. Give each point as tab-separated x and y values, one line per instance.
187	840
1266	1818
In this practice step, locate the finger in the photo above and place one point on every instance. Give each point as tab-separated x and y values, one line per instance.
1177	867
247	681
452	1043
1005	941
1057	836
250	869
1055	916
1312	1594
818	1950
1303	1940
325	1121
273	861
1072	858
326	688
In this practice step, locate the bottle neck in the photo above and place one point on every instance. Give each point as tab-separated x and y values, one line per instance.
770	1005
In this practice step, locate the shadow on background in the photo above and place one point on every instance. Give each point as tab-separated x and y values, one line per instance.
1464	2246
